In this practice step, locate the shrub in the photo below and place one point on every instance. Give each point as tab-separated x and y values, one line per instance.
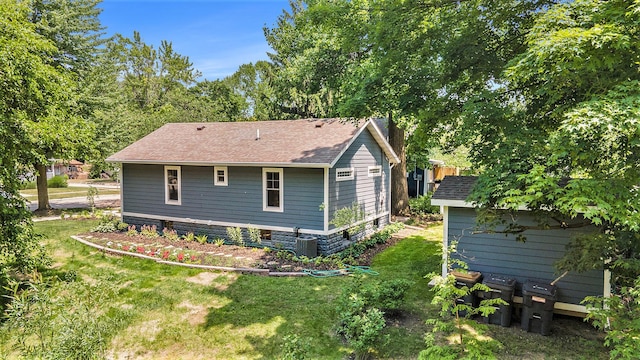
201	238
254	235
27	185
131	231
109	223
422	205
218	242
189	236
58	181
170	235
235	235
150	232
360	322
295	348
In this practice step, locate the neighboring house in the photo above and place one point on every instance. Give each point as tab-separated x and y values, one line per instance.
501	253
286	178
74	169
422	181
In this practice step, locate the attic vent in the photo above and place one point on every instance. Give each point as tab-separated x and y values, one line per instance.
319	125
200	127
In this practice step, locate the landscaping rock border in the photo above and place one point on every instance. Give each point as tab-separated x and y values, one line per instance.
264	272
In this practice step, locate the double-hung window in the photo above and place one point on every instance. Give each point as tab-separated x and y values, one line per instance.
172	185
272	185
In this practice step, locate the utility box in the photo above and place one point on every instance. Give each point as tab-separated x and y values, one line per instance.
538	300
467	279
307	246
500	287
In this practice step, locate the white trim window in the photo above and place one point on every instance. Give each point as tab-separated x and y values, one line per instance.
172	185
220	176
273	189
375	171
344	174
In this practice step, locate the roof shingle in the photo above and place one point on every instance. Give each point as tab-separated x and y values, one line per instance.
296	142
455	188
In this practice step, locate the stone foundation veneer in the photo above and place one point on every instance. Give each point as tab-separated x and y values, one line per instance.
327	245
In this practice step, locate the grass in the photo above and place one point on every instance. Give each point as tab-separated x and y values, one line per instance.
68	192
170	312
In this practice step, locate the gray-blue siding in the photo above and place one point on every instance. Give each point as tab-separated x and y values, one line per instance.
369	192
533	259
239	202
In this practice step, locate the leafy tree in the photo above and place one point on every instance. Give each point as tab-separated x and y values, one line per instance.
74	30
33	91
328	64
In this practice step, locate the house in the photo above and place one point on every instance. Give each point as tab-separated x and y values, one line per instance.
286	178
73	169
422	181
493	252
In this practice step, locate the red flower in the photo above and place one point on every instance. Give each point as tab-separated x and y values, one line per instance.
140	249
165	255
126	248
180	257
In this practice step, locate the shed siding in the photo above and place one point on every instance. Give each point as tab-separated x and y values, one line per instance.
533	259
239	202
369	192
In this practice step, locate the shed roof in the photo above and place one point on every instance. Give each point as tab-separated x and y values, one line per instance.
303	143
454	190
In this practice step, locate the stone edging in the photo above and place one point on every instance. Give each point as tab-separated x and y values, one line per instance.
265	272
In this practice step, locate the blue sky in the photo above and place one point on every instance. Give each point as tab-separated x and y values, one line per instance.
217	35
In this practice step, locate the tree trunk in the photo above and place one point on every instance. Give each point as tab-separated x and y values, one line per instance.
43	192
399	187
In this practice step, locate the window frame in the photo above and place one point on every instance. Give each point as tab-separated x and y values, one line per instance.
351	176
265	190
377	169
216	182
167	199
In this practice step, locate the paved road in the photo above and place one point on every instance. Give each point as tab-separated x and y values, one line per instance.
74	202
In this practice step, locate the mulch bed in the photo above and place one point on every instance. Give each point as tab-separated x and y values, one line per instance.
225	255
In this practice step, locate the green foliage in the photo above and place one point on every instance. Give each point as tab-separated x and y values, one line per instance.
360	321
422	205
618	315
295	348
27	185
58	181
110	223
218	242
189	236
254	235
235	235
70	320
150	232
202	238
348	217
170	235
446	295
92	192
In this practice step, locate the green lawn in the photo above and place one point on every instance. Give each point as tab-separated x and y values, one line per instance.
68	192
169	312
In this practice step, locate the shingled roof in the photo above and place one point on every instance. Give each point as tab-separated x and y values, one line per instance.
453	189
308	143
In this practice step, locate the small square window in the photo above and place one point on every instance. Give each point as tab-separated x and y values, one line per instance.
344	174
375	171
220	176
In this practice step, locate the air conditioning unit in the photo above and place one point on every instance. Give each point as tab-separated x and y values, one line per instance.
307	246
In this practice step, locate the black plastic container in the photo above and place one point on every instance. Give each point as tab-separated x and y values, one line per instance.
538	300
502	287
467	279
